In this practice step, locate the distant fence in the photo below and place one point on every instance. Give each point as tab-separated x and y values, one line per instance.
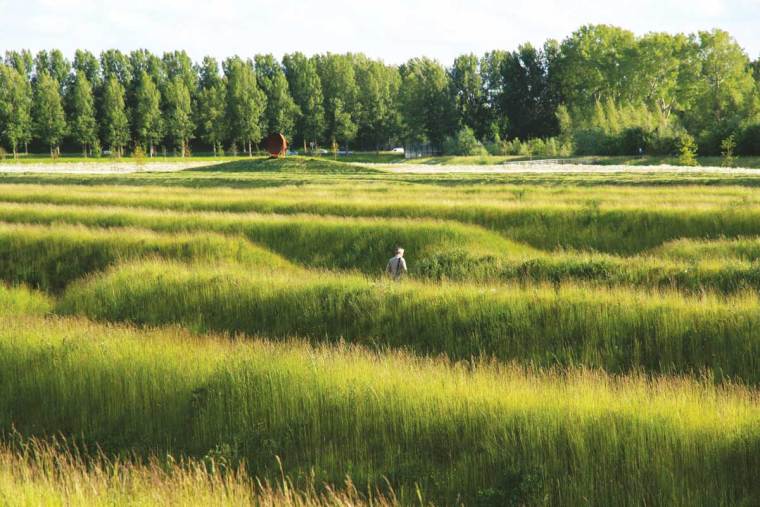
541	161
420	150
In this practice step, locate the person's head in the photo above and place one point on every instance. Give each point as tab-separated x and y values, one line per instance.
399	251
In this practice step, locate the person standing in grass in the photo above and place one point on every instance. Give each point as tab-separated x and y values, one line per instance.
396	267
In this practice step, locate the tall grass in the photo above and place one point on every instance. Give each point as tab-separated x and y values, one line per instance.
436	250
620	227
320	242
39	472
22	300
50	257
616	329
471	432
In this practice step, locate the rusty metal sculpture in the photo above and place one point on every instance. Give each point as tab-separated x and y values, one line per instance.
276	145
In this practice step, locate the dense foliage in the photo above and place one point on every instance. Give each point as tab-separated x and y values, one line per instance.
600	91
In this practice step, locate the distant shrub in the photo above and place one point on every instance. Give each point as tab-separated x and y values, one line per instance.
97	149
727	147
687	151
138	154
463	142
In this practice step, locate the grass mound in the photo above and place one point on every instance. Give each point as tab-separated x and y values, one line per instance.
547	222
618	330
50	257
320	242
23	301
293	164
476	433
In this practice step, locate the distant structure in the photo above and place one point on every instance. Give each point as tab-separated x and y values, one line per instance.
275	144
419	150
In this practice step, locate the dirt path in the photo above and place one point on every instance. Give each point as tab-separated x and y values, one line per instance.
538	168
102	167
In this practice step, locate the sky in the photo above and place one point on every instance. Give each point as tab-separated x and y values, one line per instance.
391	30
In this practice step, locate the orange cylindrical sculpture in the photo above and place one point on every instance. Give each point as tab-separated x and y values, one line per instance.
276	145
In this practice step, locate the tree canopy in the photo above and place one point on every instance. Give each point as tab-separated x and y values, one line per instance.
601	90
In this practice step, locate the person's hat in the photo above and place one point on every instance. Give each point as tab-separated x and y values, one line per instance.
399	250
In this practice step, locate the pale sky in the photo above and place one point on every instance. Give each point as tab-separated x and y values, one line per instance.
392	30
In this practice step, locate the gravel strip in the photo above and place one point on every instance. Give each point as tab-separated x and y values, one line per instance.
102	167
534	168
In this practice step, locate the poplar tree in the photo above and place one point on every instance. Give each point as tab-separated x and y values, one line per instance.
147	118
115	122
179	119
281	111
15	108
245	103
210	104
49	118
306	89
82	120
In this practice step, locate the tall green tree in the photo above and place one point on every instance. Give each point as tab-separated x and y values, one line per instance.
56	66
378	119
281	111
245	103
143	61
15	108
87	63
115	122
468	93
306	90
526	96
345	129
724	91
179	118
23	62
755	66
115	64
340	92
595	63
48	114
178	64
147	116
666	70
494	116
425	102
82	113
210	104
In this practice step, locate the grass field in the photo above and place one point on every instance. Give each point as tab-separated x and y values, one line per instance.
560	339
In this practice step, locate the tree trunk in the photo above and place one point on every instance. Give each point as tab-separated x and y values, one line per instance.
151	149
26	148
15	152
51	151
250	151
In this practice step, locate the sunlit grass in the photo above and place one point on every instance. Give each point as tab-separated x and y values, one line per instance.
470	431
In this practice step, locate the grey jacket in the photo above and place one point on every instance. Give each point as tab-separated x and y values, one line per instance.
396	267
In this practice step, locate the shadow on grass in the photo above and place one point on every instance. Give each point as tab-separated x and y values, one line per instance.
286	165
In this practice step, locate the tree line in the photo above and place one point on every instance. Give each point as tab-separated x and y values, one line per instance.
602	90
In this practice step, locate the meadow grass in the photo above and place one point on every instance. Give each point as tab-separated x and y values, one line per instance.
322	242
57	472
55	254
50	257
626	223
615	329
22	300
529	359
478	433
